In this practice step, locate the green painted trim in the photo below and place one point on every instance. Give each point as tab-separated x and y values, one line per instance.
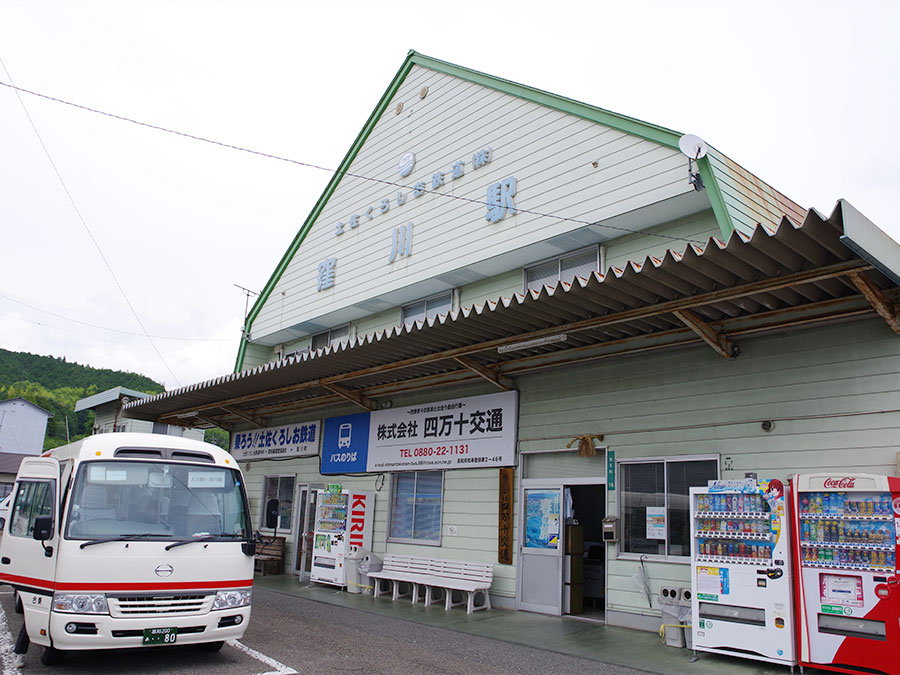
629	125
320	204
720	210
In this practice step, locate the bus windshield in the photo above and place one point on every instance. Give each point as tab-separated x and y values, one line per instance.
164	500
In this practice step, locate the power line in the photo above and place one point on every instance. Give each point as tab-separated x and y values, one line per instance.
106	328
85	225
309	165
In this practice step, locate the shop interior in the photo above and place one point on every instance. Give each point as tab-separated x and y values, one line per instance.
584	575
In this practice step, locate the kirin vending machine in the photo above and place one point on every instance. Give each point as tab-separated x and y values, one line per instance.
848	590
741	571
343	518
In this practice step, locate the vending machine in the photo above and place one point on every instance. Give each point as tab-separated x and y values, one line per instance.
848	591
343	517
741	571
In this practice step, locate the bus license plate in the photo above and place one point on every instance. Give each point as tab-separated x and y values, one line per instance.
160	636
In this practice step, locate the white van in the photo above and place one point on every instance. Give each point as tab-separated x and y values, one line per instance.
130	540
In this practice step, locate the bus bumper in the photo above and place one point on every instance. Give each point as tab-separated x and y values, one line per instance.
93	631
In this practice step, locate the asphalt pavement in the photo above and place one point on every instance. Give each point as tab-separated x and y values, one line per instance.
289	634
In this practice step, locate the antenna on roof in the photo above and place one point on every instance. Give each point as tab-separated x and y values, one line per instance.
694	148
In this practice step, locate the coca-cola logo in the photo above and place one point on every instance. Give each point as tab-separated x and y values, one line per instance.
839	483
896	504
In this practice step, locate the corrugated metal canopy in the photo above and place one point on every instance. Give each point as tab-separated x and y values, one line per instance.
799	275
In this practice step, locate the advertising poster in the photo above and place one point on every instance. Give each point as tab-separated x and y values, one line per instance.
542	519
656	522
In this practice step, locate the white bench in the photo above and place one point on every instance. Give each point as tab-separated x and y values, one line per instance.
436	575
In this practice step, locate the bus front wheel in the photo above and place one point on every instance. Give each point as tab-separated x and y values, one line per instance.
52	656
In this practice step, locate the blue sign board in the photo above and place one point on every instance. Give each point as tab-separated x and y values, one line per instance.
345	444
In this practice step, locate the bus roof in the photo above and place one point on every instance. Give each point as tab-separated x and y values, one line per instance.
105	446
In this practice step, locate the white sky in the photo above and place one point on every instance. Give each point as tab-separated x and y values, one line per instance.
803	94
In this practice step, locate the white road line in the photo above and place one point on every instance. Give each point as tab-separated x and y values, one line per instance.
280	668
8	668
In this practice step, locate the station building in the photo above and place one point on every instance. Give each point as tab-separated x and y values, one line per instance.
547	315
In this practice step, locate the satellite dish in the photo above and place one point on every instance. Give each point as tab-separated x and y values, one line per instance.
692	146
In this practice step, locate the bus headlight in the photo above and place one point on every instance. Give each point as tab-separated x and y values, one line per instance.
80	603
231	599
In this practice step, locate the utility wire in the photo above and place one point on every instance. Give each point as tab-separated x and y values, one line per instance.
322	168
112	330
84	223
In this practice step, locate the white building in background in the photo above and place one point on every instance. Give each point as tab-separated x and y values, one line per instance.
107	407
23	427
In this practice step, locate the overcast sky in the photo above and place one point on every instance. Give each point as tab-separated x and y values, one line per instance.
802	94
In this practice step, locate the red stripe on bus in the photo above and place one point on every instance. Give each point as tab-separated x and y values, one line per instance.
137	586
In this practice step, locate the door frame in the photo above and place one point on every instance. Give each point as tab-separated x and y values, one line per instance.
302	524
557	554
552	484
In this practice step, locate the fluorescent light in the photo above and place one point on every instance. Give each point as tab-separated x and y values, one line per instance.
530	344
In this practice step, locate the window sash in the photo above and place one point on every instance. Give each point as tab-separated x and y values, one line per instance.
662	483
416	507
282	489
329	338
428	308
564	268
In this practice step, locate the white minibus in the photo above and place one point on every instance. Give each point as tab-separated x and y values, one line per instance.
129	540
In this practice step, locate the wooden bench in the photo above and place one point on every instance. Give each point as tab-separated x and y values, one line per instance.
269	556
427	576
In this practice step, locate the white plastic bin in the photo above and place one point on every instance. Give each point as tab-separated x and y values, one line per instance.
352	559
668	605
369	563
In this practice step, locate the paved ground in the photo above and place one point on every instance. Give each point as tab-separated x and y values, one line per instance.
288	634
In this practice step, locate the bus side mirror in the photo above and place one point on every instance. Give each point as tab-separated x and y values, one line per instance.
43	528
272	514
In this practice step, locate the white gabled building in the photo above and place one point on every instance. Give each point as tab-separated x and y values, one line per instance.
680	317
108	417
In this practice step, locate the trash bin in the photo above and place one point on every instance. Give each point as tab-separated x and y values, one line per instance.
369	563
352	559
684	615
671	628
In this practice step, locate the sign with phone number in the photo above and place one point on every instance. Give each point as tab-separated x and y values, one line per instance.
464	433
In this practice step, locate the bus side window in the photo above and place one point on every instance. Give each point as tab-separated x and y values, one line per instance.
34	498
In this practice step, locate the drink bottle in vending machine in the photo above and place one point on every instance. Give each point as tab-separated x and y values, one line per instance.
848	587
741	571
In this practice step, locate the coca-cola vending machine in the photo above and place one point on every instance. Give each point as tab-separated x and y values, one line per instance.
848	591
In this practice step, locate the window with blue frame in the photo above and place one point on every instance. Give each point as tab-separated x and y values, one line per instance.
416	501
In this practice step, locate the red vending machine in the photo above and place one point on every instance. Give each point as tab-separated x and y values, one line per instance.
848	591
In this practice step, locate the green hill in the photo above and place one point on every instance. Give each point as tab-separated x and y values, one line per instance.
55	385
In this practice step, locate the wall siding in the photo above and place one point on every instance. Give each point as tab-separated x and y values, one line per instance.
655	241
750	201
833	393
845	380
549	152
